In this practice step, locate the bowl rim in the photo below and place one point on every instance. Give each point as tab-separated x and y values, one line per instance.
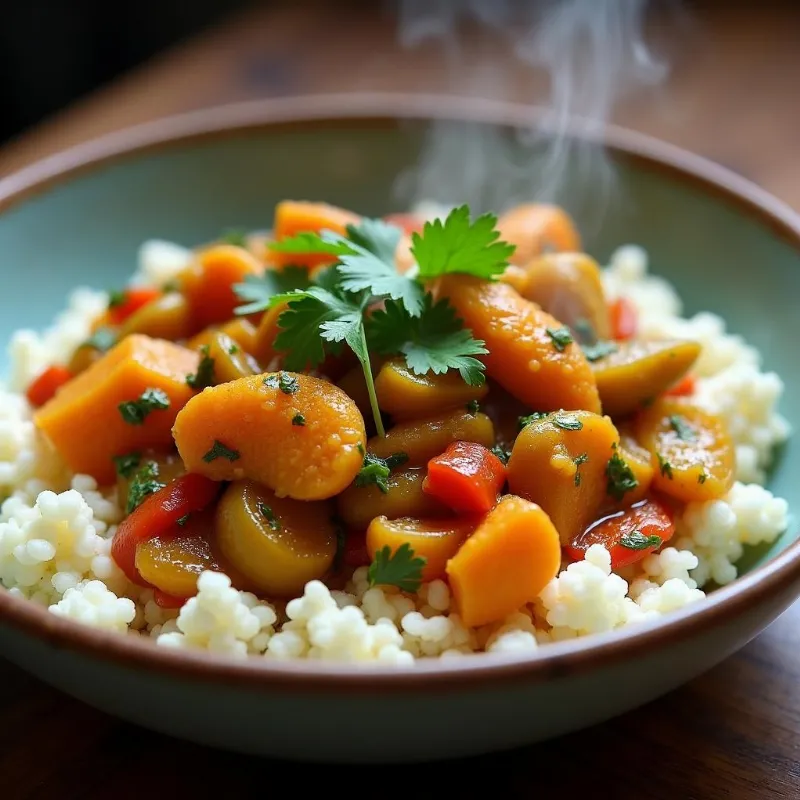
776	578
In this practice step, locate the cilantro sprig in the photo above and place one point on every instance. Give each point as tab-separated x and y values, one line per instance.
334	309
375	471
401	568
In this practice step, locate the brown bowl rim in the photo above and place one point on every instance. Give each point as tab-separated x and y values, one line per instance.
777	577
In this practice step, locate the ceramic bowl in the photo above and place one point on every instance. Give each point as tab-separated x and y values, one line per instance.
79	217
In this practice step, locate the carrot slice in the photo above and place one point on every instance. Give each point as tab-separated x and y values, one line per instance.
508	560
156	515
628	535
624	320
47	384
467	477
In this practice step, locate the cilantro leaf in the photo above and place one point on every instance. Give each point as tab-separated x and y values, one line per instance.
284	381
433	342
258	290
306	325
458	245
567	422
502	453
621	479
600	349
377	236
134	412
145	482
636	540
682	428
299	420
377	470
561	337
219	450
529	418
205	371
401	568
326	243
127	464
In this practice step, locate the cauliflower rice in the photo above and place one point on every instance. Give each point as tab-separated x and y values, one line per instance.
56	528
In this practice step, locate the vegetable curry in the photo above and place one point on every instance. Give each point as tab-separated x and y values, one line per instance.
451	399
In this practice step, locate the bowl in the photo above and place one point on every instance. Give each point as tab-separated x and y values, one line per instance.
79	217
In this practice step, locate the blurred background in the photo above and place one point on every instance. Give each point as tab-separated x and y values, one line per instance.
75	69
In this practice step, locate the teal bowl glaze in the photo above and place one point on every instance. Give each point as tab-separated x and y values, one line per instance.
79	218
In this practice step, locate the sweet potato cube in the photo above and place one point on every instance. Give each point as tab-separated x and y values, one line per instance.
83	421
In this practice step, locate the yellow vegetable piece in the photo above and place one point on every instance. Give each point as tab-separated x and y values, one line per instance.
305	443
512	555
230	361
406	395
559	463
278	544
640	463
241	330
83	421
526	354
174	561
166	317
639	371
435	540
358	505
353	384
423	439
691	450
569	286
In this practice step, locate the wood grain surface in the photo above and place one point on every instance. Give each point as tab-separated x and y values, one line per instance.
734	733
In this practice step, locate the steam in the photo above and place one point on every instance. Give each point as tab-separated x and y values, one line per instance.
578	58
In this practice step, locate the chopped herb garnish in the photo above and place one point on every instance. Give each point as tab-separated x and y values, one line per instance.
598	350
219	450
126	465
664	466
145	482
183	520
376	470
269	515
205	371
581	459
473	407
298	419
116	298
682	428
134	412
621	479
529	418
234	236
636	540
102	340
561	337
401	568
233	349
502	453
567	423
284	381
701	478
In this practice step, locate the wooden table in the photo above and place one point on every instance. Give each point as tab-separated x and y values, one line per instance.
733	733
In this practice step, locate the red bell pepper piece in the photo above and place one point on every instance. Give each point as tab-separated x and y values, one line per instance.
131	301
684	387
467	477
628	535
624	320
47	384
157	514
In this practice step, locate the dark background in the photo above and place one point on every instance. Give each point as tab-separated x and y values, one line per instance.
54	51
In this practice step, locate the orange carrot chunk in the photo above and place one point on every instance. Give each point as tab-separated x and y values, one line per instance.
297	216
129	302
628	535
208	283
513	554
47	384
467	477
85	422
624	321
